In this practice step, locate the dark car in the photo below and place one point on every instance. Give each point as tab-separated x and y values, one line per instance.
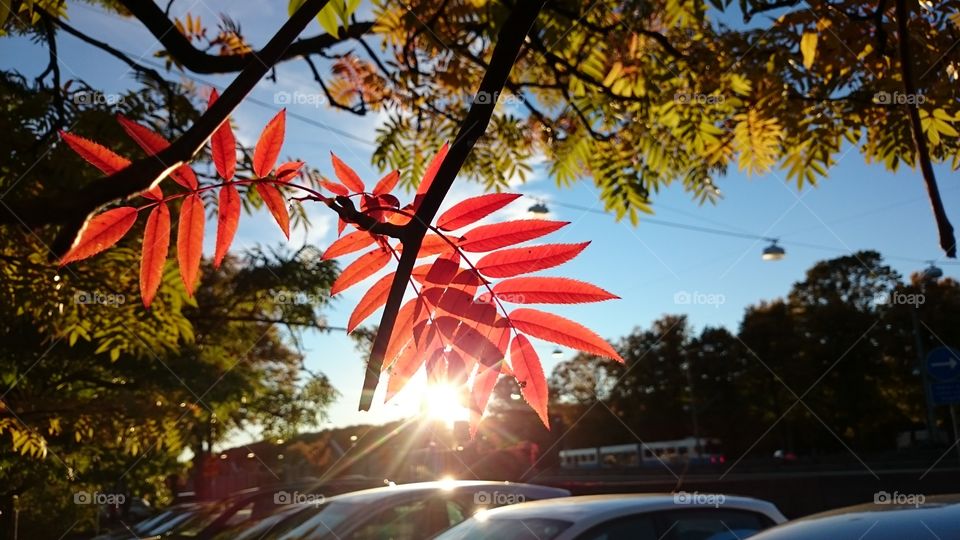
402	512
891	517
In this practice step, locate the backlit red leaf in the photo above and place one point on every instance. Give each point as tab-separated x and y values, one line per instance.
402	332
156	243
483	383
387	183
190	240
372	300
228	216
348	176
557	329
549	290
287	171
268	147
529	374
354	241
403	369
276	204
430	173
498	235
368	264
95	154
523	260
101	232
473	209
443	270
335	188
153	142
223	146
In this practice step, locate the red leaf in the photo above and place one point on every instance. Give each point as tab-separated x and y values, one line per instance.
557	329
100	233
335	188
368	264
443	270
523	260
529	374
341	225
498	235
473	209
549	290
228	216
430	173
95	154
372	300
402	332
223	146
156	243
354	241
153	143
276	204
268	147
287	171
483	384
403	369
348	176
387	183
190	240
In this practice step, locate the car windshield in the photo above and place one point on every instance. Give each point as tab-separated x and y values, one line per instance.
313	521
506	529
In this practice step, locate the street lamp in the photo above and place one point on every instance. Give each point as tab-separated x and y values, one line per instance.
538	211
773	252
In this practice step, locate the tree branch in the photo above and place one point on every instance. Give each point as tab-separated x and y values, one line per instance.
199	61
509	43
947	240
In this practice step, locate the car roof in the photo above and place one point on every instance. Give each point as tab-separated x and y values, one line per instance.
577	508
933	517
372	494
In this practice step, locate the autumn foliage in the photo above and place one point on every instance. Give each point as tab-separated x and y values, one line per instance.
461	323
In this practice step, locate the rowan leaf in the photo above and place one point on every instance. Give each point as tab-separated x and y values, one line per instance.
354	241
387	183
557	329
373	299
348	176
101	232
223	146
156	243
433	244
287	171
276	204
549	290
443	270
95	154
402	332
529	374
335	188
808	48
190	240
403	369
368	264
516	261
430	173
267	151
483	383
228	217
473	209
152	142
499	235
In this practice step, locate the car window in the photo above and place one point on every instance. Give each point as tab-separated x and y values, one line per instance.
455	513
636	527
312	522
404	521
506	529
711	524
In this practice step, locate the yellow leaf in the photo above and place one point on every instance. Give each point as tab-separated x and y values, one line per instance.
808	47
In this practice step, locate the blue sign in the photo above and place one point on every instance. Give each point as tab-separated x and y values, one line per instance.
945	393
943	363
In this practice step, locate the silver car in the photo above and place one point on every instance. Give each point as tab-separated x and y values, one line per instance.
935	517
680	516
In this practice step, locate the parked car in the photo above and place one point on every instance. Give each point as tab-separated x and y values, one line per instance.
401	512
622	517
161	523
931	517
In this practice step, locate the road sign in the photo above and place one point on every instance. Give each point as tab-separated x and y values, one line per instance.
943	363
945	393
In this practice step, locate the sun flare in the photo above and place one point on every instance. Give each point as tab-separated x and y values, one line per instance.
443	402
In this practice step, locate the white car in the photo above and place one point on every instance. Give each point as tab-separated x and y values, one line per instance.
680	516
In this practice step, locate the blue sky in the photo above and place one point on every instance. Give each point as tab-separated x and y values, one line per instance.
649	266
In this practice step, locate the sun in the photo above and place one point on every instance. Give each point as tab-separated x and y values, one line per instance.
444	403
